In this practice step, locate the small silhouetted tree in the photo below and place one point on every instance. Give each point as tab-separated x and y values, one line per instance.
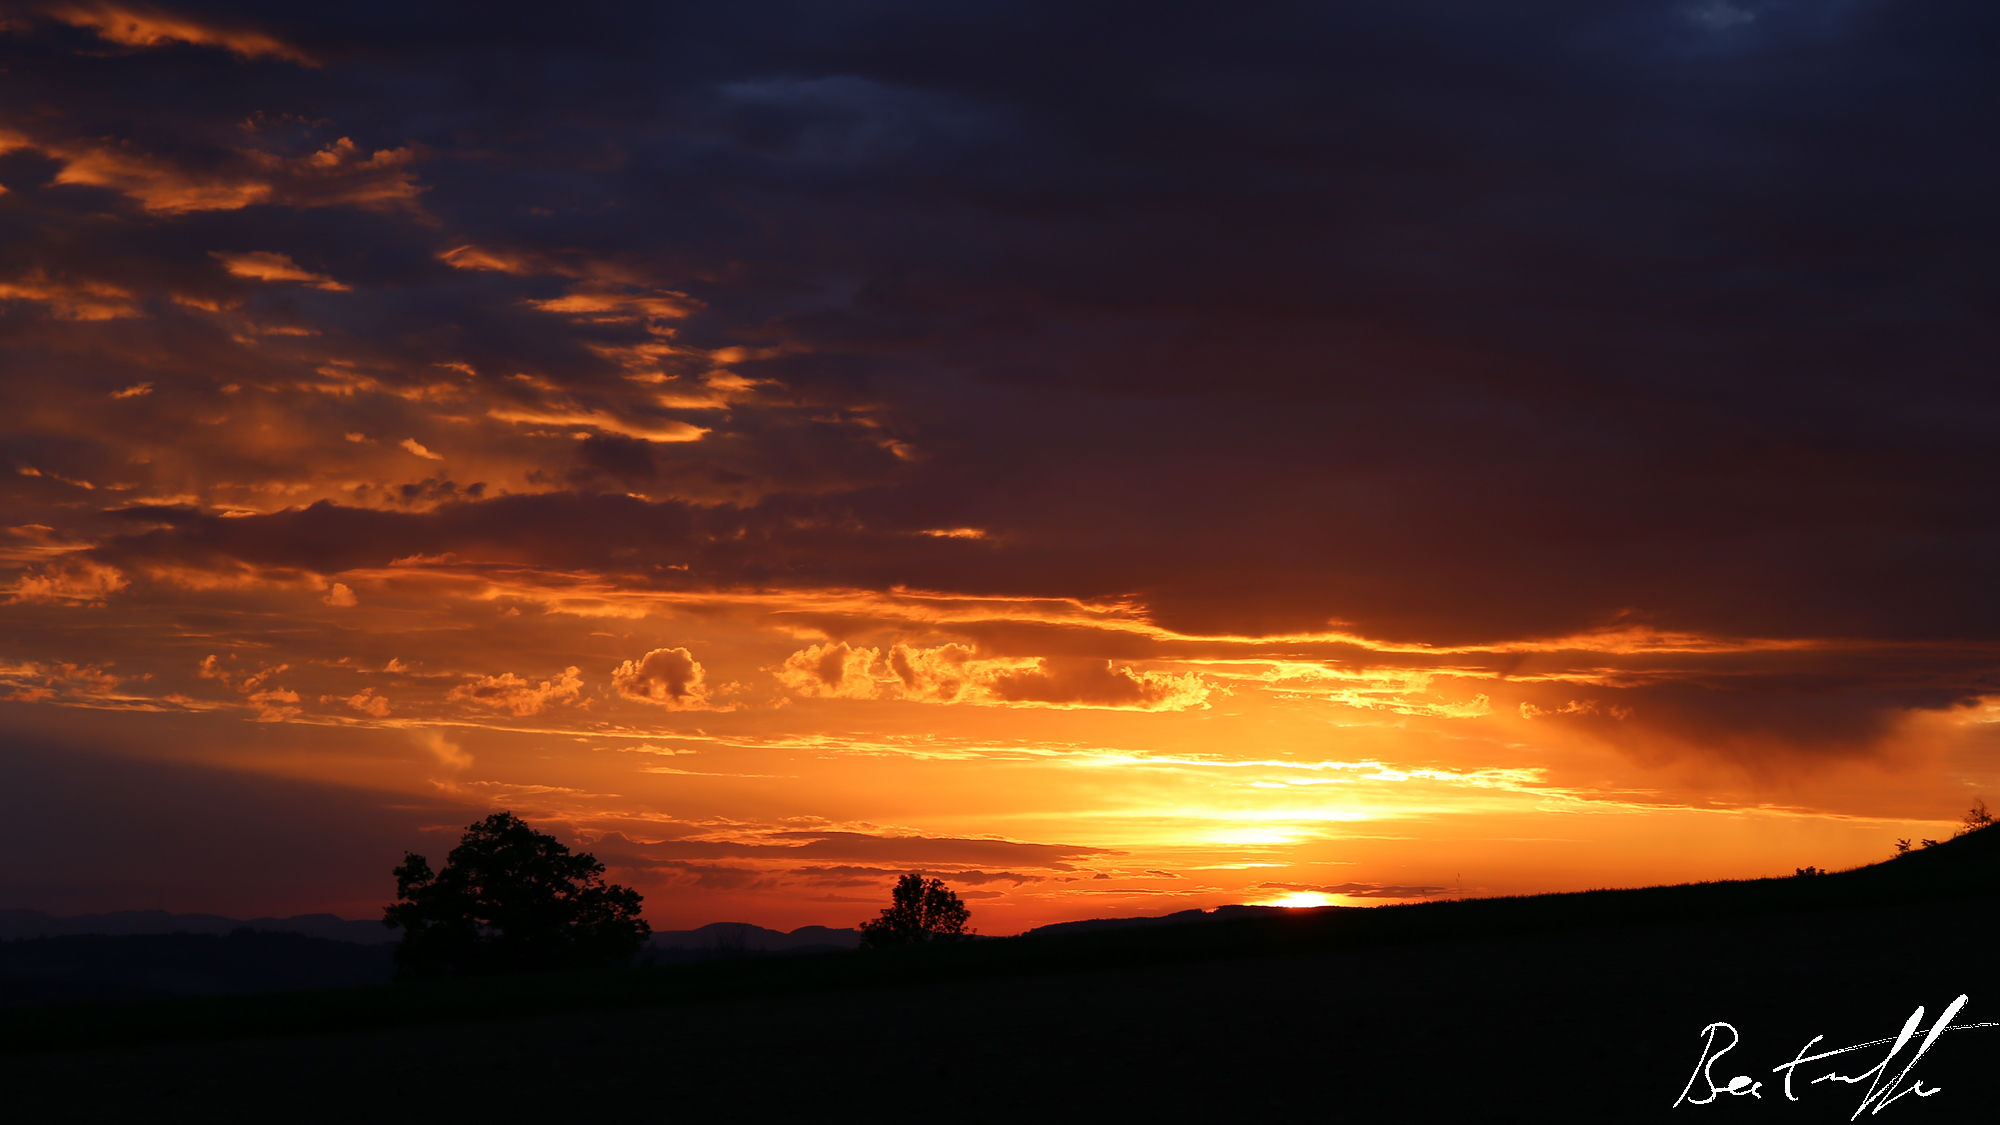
919	913
1903	846
1977	817
511	899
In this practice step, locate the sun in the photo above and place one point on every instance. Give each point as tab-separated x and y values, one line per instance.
1298	899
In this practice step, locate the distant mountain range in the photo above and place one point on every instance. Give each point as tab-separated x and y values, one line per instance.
726	939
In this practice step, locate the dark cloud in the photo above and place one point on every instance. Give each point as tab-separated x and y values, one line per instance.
863	847
1759	717
1100	684
855	875
1359	890
1449	325
796	541
1761	706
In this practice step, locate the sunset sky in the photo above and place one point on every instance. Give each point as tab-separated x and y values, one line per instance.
1318	453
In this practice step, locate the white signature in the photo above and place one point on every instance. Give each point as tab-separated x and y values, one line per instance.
1883	1090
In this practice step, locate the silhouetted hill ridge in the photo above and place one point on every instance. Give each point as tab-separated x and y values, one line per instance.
37	924
1587	1006
49	958
1965	866
1181	917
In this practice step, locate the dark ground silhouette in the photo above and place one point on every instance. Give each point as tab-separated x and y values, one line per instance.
98	967
1584	1007
36	923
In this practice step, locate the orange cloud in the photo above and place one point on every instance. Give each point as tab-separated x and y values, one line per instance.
716	389
449	754
838	670
339	175
956	673
37	541
133	25
229	574
157	185
365	701
955	532
471	257
1100	684
1577	707
664	431
71	581
606	286
71	300
335	175
1403	690
604	304
272	702
275	705
509	692
670	677
264	265
37	682
212	668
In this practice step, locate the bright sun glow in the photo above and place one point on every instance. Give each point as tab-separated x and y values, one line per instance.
1296	899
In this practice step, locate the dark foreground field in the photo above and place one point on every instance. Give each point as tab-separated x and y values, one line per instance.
1561	1008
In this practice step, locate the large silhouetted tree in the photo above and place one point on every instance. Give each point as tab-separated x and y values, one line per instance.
918	913
511	899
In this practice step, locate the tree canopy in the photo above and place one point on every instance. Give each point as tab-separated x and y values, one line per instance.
919	913
511	899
